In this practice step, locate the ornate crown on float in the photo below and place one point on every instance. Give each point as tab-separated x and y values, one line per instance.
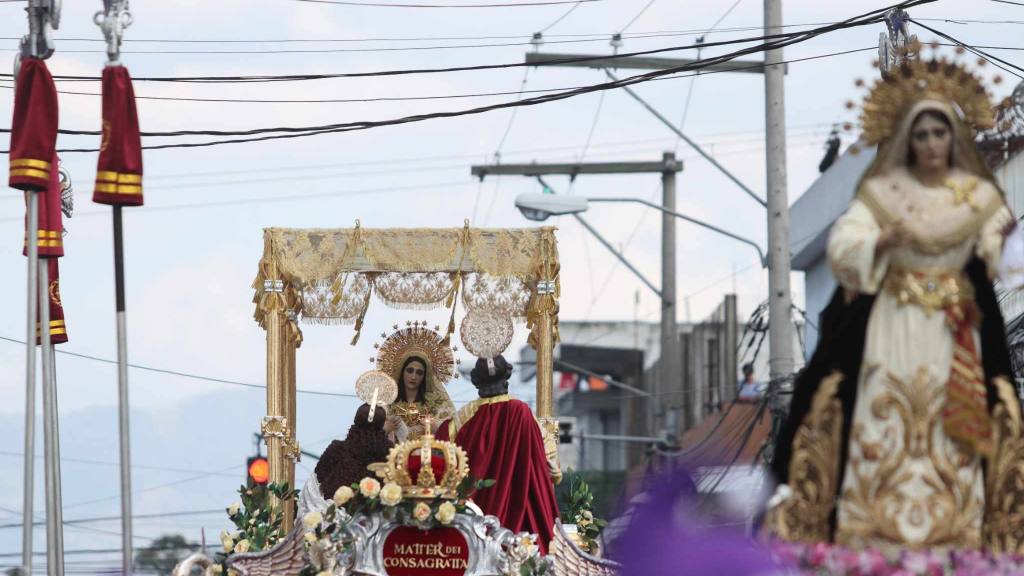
449	466
918	78
416	340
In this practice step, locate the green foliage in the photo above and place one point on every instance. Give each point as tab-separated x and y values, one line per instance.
258	525
577	507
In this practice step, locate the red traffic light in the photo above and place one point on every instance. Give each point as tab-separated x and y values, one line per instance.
259	470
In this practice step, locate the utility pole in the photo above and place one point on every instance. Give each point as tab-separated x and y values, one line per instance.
671	353
780	329
672	381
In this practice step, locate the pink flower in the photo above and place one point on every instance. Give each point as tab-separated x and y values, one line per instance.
817	555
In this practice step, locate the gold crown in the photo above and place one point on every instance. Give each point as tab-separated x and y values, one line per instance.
916	79
448	467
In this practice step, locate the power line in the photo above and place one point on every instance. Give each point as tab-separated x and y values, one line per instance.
390	5
105	463
112	518
560	18
638	15
303	132
183	374
341	50
873	17
268	199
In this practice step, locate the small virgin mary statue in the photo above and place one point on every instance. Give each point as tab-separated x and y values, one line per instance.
894	420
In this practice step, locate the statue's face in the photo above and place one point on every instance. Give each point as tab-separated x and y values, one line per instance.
931	140
414	374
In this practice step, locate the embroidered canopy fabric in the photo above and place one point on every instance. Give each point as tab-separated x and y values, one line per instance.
328	275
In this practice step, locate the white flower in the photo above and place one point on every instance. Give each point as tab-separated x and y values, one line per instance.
582	522
310	537
242	546
445	513
369	487
421	512
588	515
233	509
782	493
312	520
227	541
391	494
214	569
342	495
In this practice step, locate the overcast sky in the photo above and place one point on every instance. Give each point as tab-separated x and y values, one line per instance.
192	253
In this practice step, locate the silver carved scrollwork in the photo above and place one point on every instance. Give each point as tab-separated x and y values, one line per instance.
492	549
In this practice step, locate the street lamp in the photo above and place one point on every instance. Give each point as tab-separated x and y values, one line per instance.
538	207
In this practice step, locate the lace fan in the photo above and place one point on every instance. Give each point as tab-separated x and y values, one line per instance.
376	387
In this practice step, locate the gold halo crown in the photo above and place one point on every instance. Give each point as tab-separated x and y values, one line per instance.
448	467
916	79
416	340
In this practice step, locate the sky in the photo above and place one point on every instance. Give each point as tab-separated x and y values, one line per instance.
192	251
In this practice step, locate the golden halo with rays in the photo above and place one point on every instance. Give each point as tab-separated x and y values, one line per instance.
416	340
916	79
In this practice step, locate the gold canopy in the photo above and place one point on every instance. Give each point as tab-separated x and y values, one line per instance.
327	276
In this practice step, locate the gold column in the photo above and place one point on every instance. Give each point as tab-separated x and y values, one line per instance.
292	453
274	426
544	331
545	351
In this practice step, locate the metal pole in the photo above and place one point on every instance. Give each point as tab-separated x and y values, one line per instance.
693	144
669	332
122	396
760	254
53	540
780	329
28	479
58	500
618	254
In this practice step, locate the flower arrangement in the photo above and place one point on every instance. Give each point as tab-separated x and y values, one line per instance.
258	525
368	496
577	506
823	558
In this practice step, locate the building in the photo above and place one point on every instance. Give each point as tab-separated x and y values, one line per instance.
628	353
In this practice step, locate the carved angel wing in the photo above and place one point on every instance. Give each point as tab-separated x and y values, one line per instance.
285	559
570	560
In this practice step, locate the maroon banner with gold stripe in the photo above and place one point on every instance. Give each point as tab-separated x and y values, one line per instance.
34	127
119	170
50	235
58	329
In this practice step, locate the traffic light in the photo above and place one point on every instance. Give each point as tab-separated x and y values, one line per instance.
257	471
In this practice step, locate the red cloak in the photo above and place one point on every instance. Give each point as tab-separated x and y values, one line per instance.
504	444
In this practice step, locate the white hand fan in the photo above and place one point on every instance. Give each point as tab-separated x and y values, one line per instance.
376	387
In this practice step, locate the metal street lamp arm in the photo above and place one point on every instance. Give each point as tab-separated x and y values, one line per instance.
617	254
760	254
692	144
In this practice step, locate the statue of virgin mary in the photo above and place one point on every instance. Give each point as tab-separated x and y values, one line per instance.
895	417
421	362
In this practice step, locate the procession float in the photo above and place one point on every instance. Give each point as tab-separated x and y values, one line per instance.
902	451
413	511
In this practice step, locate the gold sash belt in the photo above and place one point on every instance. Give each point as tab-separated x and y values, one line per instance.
935	290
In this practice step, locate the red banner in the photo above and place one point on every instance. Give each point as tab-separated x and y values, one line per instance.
409	551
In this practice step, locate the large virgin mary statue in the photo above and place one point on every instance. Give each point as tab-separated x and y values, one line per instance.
894	434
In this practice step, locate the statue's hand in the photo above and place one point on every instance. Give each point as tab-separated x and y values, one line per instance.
894	236
391	424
